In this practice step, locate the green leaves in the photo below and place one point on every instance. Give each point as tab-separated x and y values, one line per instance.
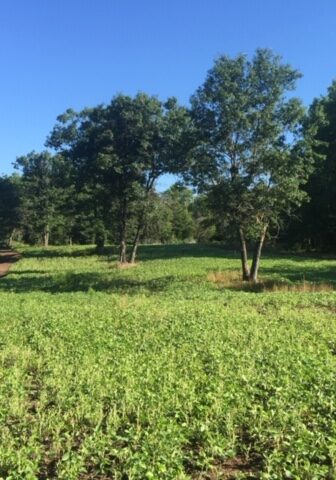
316	224
155	372
246	126
10	203
117	152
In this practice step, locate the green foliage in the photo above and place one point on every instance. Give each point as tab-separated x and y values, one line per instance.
246	144
155	372
315	223
205	228
9	207
39	195
179	200
244	123
158	222
177	215
118	152
250	153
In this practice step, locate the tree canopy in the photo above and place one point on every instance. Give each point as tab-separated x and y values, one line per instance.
250	153
120	150
246	145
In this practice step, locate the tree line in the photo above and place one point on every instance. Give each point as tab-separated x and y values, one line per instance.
252	162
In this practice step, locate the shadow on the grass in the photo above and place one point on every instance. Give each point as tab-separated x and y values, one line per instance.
81	282
158	252
57	252
303	273
145	252
9	256
289	273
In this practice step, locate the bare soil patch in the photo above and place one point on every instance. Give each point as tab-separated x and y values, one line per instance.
232	469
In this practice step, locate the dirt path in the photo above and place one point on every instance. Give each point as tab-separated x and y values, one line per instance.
7	258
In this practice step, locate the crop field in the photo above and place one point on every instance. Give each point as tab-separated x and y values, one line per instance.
168	370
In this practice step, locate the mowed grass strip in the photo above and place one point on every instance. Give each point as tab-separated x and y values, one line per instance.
162	372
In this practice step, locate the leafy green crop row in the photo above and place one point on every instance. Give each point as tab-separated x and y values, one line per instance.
155	372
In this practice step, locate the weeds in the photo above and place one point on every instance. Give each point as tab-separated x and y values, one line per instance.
232	279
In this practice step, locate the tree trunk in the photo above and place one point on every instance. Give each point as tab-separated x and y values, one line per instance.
141	223
123	234
46	236
10	240
122	255
136	241
135	244
244	259
257	255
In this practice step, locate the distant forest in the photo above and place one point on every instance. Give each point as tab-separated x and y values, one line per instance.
253	164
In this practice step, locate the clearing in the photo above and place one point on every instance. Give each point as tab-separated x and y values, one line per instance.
167	370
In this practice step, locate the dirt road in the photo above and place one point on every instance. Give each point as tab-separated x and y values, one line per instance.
7	258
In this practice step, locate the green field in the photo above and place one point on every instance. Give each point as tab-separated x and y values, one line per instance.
157	372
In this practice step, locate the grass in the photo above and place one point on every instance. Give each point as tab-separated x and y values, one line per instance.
169	370
232	280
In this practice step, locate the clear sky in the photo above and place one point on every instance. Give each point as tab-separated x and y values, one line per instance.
57	54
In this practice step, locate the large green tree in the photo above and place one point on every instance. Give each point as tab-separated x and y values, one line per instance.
249	153
119	151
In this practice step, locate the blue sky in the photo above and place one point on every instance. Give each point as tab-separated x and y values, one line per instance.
57	54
